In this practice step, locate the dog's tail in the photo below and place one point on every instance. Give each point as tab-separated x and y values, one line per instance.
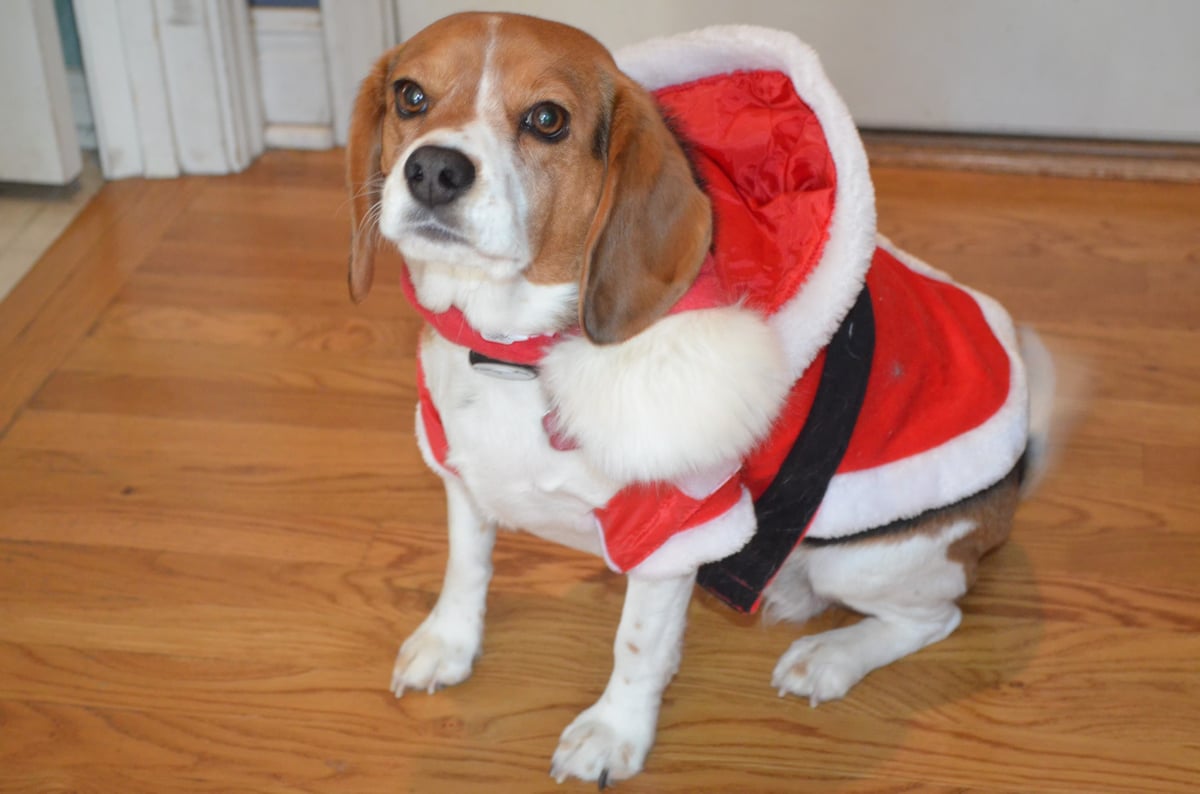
1058	390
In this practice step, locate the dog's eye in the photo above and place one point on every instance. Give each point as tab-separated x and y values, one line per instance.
547	120
410	99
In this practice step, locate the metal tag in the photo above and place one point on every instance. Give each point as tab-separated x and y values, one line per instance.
505	370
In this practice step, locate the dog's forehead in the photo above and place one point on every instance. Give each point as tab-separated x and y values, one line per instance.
543	40
452	55
549	69
512	54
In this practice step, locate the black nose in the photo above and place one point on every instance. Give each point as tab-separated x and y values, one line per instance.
437	175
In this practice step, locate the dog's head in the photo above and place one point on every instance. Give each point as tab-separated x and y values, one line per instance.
514	147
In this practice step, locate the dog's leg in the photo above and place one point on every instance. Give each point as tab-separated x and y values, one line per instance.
906	589
905	585
441	651
609	741
790	596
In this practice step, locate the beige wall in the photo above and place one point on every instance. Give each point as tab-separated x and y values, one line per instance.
1091	68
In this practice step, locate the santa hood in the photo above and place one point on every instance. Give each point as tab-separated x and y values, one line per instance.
784	166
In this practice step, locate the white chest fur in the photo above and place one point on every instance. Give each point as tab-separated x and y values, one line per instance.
499	448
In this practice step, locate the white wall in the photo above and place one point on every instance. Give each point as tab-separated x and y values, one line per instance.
1087	68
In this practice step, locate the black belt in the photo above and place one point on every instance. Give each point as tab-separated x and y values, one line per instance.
787	506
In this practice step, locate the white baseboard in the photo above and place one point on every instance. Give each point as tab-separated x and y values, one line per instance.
298	136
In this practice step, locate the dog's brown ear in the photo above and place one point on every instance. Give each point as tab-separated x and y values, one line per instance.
364	175
652	227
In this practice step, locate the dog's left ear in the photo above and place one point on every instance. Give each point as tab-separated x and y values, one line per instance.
652	228
364	176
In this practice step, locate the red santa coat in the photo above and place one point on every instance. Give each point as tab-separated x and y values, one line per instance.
942	409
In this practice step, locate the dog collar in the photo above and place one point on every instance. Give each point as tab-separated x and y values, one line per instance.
524	353
517	358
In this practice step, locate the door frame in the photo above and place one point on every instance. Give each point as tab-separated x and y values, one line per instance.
173	85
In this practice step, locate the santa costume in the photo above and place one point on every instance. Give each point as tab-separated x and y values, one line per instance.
908	393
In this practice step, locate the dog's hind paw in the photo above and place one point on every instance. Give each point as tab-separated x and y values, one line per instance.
817	668
434	658
600	747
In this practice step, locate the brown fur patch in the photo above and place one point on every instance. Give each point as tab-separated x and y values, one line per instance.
990	511
800	669
993	516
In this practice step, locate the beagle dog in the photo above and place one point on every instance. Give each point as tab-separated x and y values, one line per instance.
661	328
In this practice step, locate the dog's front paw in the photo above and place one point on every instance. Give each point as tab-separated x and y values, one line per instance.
818	668
435	656
602	746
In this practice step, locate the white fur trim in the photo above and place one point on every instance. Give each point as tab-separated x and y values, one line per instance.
713	540
807	323
962	466
691	393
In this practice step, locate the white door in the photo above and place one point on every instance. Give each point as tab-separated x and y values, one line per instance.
38	142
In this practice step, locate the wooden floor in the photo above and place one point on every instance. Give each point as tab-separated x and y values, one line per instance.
33	216
215	527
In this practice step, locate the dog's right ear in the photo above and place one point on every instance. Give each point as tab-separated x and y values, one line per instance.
364	176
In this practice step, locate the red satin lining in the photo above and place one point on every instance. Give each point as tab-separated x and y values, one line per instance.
768	170
634	520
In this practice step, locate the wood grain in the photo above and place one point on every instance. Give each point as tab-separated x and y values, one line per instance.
51	309
215	527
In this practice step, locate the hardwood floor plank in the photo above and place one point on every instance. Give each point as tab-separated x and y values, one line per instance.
1172	465
267	232
1123	362
222	262
69	307
280	293
293	486
297	370
141	523
96	221
190	398
348	335
212	441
